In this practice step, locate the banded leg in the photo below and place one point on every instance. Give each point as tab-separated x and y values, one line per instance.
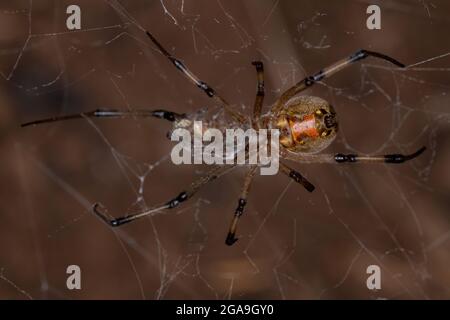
213	174
297	177
113	113
231	237
387	158
327	72
354	158
256	122
210	92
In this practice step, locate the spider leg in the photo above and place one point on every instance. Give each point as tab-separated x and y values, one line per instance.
185	195
231	237
259	94
113	113
387	158
297	177
196	81
354	158
327	72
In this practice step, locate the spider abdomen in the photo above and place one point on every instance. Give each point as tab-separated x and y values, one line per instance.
307	124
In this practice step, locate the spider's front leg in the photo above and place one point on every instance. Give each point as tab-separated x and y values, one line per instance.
393	158
327	72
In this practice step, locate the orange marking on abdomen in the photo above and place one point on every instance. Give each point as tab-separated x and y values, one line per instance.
304	128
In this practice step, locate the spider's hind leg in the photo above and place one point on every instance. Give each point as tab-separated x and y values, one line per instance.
214	173
260	92
231	237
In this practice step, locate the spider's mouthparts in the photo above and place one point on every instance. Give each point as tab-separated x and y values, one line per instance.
330	120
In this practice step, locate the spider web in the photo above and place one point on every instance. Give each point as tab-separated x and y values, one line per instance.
292	244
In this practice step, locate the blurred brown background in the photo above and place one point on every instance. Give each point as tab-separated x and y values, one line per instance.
293	244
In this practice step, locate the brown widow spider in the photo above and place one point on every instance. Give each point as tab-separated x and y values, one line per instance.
307	125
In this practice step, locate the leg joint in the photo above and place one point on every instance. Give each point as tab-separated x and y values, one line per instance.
260	91
208	90
258	65
241	205
345	157
297	177
394	158
309	81
361	54
176	201
167	115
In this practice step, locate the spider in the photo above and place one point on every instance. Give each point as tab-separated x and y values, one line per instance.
307	125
